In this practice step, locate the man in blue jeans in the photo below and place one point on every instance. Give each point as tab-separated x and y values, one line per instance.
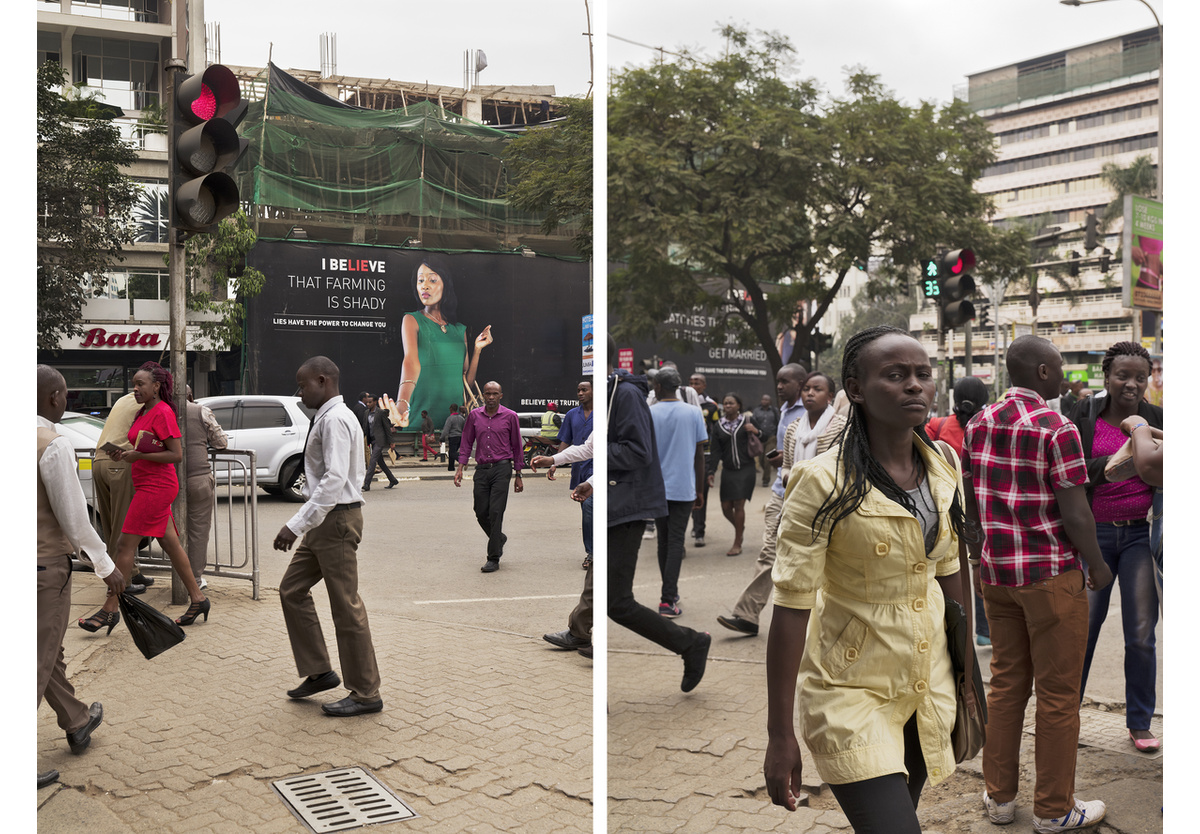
635	492
681	435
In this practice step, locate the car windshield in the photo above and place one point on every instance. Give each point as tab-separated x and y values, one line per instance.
81	420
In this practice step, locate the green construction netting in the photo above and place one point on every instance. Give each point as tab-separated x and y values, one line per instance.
419	161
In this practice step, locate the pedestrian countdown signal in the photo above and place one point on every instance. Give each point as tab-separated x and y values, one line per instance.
931	287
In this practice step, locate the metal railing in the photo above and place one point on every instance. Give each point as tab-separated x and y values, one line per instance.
233	535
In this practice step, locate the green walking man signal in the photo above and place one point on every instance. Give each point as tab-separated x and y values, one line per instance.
931	287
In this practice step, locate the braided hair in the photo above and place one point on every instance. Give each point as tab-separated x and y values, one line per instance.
166	382
862	470
1125	349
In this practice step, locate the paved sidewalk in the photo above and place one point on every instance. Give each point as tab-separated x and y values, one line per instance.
482	730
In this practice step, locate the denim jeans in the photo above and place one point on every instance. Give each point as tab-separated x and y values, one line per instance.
671	529
1126	551
587	524
1156	532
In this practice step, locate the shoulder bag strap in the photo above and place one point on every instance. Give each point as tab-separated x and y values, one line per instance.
964	576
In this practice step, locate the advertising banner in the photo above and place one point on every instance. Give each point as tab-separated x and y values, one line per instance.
589	345
1142	244
429	319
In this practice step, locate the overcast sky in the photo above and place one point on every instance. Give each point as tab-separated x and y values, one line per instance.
919	48
526	41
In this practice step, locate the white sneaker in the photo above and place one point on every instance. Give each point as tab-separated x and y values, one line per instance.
1000	813
1081	816
203	583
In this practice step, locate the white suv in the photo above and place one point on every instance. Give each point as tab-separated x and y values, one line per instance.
275	429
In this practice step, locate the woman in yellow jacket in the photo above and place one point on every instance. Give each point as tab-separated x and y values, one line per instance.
867	539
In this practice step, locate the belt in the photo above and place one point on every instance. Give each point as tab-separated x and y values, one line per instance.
1133	522
493	463
354	505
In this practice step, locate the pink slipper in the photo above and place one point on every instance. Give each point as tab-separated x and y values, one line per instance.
1145	745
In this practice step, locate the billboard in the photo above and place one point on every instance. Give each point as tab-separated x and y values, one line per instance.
507	318
1142	244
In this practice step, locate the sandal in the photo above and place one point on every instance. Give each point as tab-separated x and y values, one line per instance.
195	610
99	620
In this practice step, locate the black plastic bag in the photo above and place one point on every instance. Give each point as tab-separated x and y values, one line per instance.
153	631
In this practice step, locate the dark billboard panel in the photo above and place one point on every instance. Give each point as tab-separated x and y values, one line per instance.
351	303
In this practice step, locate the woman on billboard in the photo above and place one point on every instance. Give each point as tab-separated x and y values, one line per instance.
436	366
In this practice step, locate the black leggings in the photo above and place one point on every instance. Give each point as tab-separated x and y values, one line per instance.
887	804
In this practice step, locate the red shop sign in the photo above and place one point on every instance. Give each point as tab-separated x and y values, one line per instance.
99	337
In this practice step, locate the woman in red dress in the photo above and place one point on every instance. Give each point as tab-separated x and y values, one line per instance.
155	487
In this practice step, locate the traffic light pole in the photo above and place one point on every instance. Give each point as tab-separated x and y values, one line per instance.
943	396
178	337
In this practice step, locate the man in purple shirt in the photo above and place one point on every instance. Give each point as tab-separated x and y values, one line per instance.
496	433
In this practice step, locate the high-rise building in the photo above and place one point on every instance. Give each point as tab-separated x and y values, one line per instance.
1058	118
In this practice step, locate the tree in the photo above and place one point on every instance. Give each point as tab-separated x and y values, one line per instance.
868	310
552	172
84	201
219	280
1140	179
732	187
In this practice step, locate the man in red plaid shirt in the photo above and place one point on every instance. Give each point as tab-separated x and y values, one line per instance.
1024	473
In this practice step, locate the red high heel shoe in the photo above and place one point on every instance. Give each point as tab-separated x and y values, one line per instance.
194	611
101	619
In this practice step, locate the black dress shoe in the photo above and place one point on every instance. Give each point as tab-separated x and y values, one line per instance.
349	706
315	684
735	623
491	565
47	778
367	488
586	651
141	579
565	640
392	484
81	738
135	588
694	661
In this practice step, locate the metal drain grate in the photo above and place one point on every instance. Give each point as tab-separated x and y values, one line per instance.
338	800
1106	730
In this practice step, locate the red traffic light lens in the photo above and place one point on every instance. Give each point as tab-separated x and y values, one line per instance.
205	105
965	261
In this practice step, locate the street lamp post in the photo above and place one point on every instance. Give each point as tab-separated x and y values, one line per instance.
1157	23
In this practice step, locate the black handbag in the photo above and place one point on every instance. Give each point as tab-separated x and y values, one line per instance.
970	717
153	632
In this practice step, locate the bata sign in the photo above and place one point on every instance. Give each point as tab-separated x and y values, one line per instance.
99	337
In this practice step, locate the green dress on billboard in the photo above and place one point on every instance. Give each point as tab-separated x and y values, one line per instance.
443	356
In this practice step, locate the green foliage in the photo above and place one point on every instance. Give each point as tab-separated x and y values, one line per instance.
219	281
869	310
736	189
84	200
552	173
1140	179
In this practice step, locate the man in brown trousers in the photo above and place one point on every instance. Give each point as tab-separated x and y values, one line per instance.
203	431
62	529
331	522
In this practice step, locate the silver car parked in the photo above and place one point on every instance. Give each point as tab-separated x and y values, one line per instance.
274	428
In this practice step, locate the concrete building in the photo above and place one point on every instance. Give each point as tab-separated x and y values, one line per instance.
1058	119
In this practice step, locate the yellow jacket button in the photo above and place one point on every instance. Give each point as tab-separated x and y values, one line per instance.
918	605
920	686
923	646
882	549
935	772
851	653
919	567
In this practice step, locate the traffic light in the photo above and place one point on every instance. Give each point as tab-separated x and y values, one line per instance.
1104	260
821	342
1073	267
208	108
930	288
955	286
1091	236
982	311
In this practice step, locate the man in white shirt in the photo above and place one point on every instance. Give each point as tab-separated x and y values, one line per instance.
578	635
62	529
331	522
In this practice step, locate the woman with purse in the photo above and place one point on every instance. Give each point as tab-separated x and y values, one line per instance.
874	525
156	449
735	443
1123	531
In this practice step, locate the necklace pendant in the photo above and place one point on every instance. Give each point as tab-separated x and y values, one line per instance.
443	328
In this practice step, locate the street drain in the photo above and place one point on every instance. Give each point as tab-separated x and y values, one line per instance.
1106	730
338	800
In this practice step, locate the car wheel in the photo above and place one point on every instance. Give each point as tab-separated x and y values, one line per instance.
294	483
